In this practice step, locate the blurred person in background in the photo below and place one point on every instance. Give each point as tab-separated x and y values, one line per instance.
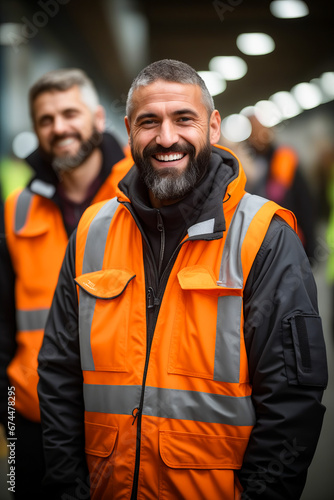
76	164
274	172
183	356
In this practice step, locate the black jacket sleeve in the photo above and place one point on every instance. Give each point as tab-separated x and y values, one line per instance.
60	391
287	368
7	319
299	200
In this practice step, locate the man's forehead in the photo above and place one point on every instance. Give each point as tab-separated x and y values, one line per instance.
162	92
61	98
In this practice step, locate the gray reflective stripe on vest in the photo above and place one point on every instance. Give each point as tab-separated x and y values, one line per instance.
227	350
170	403
231	274
31	320
97	237
22	207
93	261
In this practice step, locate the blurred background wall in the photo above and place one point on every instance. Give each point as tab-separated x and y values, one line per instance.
113	39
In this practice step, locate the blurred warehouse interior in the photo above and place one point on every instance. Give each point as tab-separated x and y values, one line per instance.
291	86
113	39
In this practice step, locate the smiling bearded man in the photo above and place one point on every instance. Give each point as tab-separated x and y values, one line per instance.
76	163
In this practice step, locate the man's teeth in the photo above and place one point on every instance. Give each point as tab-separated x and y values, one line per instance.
173	157
65	142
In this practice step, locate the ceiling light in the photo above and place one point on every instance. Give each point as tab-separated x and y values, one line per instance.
289	9
308	95
286	103
255	44
248	111
214	81
267	113
324	96
10	33
230	67
327	83
236	128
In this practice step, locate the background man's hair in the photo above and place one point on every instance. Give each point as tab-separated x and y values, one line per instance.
169	70
64	79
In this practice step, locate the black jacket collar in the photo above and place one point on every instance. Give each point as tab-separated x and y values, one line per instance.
203	203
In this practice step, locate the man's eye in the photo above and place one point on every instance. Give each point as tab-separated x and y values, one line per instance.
46	120
184	119
71	114
147	123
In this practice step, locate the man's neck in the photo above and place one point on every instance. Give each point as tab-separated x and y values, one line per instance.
76	182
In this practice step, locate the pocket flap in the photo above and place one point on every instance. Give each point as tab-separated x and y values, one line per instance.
99	439
105	284
182	450
32	228
202	278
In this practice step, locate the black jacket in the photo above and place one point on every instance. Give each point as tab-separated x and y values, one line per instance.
288	405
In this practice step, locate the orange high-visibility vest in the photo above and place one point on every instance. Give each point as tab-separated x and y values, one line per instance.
37	241
193	411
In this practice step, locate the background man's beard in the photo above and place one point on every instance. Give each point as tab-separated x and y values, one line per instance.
69	162
167	183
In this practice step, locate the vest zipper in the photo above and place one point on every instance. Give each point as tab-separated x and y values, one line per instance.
151	283
153	301
161	228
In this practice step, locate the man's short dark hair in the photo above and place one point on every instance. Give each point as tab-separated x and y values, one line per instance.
169	70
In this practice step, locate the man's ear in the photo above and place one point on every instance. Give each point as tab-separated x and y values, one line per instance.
100	118
214	127
127	124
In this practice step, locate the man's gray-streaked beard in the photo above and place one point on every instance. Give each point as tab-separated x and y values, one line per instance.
70	162
167	183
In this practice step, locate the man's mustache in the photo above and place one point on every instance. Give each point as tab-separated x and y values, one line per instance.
60	137
155	149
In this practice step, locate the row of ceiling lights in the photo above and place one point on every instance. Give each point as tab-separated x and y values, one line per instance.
223	68
281	105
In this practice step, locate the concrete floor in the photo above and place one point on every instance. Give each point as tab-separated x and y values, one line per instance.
320	482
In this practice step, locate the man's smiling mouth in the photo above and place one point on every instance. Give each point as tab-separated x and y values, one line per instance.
169	157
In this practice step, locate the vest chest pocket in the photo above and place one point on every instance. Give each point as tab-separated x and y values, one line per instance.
104	312
205	341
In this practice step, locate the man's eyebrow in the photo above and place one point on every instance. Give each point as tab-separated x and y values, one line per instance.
70	109
185	111
143	116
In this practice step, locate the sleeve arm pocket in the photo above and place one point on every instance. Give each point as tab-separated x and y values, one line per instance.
305	351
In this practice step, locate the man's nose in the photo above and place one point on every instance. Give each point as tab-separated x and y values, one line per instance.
167	135
59	125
